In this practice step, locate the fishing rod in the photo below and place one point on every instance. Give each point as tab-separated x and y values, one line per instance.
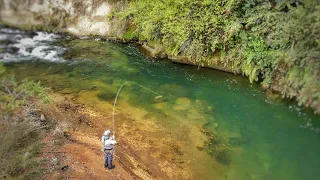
115	100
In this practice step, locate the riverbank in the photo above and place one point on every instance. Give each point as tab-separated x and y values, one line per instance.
234	39
79	153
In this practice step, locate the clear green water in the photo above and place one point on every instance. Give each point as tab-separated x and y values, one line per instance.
277	140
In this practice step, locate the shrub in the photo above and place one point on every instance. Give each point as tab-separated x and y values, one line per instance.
274	41
20	129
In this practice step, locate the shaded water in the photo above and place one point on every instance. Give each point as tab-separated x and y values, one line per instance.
249	135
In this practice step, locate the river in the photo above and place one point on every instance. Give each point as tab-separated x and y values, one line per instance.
224	127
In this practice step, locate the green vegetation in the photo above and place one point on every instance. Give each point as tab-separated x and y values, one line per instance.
2	69
14	95
20	128
273	42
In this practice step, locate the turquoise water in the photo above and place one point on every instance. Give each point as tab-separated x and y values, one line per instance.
276	138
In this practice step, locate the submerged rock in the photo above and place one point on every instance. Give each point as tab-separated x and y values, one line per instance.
216	148
105	96
182	104
223	156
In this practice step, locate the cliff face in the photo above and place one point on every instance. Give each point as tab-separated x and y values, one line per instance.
77	17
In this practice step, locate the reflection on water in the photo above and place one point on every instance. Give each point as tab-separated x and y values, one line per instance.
213	124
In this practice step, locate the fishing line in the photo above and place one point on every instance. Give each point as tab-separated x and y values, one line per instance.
115	100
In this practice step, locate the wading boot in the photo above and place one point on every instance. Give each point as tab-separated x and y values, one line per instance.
113	166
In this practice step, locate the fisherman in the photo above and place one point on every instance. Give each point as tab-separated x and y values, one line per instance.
108	145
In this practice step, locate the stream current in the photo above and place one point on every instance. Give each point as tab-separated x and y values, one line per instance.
249	134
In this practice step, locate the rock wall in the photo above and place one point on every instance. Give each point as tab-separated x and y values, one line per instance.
77	17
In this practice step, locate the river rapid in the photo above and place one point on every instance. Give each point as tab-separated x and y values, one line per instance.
208	124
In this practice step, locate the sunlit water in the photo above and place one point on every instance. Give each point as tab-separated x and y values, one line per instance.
271	138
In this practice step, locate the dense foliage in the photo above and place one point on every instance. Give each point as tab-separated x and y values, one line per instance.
20	128
274	41
14	94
